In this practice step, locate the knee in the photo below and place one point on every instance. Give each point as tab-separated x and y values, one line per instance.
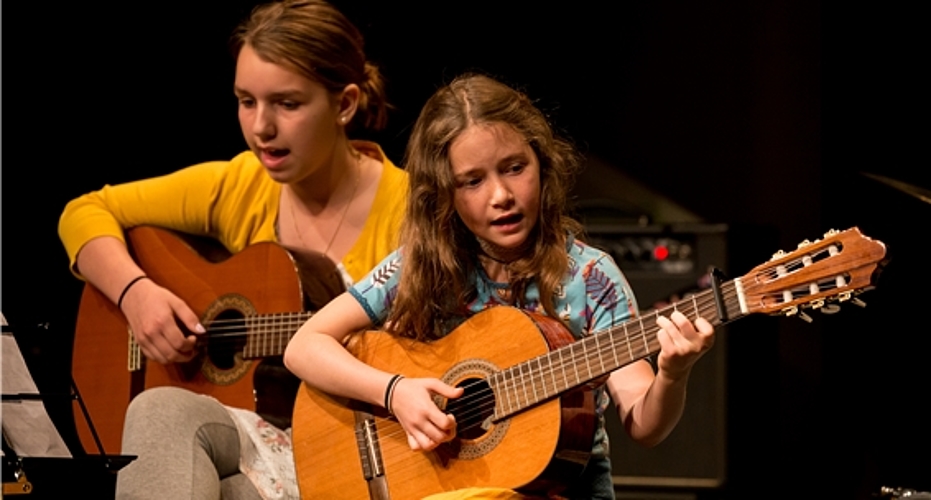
171	407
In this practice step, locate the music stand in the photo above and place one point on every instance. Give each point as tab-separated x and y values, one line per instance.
36	461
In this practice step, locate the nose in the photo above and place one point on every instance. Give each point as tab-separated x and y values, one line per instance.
263	122
501	194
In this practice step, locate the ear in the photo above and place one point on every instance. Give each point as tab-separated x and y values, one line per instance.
348	102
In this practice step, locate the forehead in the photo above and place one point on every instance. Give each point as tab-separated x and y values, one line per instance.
257	75
487	145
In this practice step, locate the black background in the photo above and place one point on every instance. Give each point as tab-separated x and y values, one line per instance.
760	115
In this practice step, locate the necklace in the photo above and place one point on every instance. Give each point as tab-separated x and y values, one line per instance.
500	254
339	225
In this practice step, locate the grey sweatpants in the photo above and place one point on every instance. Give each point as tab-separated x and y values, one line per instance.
188	448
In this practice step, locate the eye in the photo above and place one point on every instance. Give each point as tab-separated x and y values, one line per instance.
246	102
516	168
290	105
468	182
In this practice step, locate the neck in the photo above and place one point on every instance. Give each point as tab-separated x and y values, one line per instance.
330	180
500	254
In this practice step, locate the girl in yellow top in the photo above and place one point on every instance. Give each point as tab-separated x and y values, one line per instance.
302	82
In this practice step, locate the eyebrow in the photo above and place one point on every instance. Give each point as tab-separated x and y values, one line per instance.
285	94
520	155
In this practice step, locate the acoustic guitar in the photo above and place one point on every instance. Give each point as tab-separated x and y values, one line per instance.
251	304
525	419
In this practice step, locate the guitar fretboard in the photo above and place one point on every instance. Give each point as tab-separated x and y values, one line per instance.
544	377
261	335
269	334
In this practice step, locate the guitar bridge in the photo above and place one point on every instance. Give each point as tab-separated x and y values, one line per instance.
373	466
369	448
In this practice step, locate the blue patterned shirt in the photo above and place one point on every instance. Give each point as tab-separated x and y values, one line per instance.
594	296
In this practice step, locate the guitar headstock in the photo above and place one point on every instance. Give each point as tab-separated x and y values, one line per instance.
819	274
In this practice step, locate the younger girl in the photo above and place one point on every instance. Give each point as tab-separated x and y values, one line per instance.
486	226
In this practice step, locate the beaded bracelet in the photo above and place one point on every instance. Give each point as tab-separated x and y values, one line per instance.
389	391
119	303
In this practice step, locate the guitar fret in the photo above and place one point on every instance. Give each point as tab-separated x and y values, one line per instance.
586	359
523	383
533	385
546	376
630	349
599	351
575	365
612	335
643	334
263	335
562	364
509	389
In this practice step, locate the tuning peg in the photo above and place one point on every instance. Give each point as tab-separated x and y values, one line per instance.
857	302
831	232
804	317
830	309
804	244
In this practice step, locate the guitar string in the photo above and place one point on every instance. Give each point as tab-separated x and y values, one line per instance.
481	404
705	303
393	446
237	324
700	306
771	273
483	401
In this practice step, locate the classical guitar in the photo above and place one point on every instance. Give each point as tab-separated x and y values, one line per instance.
524	421
251	304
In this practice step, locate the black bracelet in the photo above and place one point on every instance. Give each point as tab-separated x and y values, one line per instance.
389	391
119	303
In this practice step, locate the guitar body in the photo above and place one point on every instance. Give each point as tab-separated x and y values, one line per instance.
536	450
260	279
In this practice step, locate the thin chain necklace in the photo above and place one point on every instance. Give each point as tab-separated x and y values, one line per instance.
339	225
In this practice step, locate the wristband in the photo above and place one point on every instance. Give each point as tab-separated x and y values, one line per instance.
119	303
389	391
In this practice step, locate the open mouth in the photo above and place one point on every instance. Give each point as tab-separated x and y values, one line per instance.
276	153
507	220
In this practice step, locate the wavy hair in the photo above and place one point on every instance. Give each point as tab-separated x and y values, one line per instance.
438	249
315	39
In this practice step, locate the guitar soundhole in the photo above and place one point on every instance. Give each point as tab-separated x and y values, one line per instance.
471	410
227	338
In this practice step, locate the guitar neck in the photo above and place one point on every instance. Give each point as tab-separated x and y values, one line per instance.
543	377
265	335
269	334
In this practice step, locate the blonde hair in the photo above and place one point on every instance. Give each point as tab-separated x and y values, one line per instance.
316	40
438	249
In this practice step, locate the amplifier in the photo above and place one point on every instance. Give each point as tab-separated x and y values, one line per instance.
664	263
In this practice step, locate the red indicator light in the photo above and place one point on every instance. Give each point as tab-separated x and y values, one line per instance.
660	252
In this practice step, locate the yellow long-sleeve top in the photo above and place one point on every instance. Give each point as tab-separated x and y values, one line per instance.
234	202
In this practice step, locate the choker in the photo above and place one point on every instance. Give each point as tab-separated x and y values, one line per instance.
500	254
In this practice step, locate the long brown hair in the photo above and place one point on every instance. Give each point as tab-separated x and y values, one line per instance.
437	248
316	40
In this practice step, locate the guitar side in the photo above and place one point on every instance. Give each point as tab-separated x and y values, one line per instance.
537	449
260	279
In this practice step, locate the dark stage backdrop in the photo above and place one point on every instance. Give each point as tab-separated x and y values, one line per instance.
751	114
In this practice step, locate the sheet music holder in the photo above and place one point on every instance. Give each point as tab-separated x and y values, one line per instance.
35	459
